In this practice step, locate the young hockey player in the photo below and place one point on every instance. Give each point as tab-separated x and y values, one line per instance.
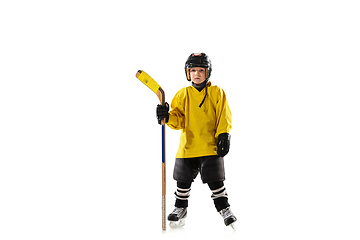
202	113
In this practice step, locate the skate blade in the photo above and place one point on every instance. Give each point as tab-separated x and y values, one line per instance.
233	226
177	224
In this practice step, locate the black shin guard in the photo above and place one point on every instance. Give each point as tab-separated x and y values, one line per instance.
182	194
219	195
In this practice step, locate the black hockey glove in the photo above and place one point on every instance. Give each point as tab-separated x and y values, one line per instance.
223	145
162	112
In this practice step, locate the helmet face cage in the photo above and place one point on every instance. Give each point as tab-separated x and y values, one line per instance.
198	60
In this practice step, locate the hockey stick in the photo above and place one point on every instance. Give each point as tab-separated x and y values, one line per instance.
155	87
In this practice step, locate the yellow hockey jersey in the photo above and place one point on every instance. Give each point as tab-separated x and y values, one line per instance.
201	116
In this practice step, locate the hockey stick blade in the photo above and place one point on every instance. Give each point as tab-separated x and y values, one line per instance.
152	84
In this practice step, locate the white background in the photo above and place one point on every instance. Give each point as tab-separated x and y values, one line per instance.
80	150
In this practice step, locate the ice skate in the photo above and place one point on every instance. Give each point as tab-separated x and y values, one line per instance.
177	217
229	218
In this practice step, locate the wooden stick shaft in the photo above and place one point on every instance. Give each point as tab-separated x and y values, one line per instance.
163	164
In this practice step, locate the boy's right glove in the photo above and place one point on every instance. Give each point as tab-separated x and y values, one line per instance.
162	112
223	145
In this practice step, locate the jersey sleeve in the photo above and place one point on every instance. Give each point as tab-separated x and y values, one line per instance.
177	113
223	114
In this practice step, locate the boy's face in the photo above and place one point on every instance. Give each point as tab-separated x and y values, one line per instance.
197	75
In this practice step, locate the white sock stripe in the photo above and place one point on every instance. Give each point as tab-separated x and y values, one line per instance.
218	190
222	194
218	197
184	189
181	194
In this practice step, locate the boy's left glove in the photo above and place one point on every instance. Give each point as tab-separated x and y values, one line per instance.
223	145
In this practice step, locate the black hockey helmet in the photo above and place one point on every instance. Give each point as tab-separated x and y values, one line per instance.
198	60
